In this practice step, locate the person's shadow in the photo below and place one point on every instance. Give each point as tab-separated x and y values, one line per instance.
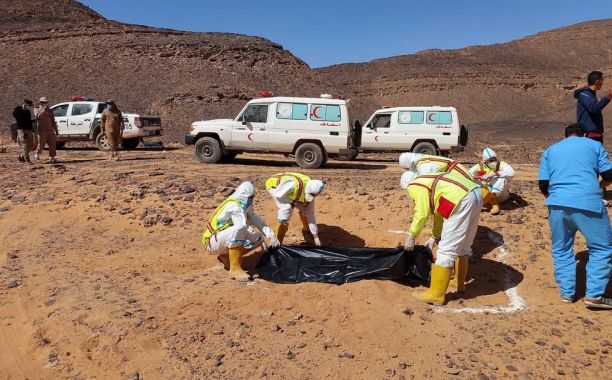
487	276
515	202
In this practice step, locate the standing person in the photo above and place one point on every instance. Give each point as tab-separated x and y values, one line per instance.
25	136
455	203
229	233
47	129
495	176
291	190
569	172
588	108
112	126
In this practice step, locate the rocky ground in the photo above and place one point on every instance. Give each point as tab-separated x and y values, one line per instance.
102	276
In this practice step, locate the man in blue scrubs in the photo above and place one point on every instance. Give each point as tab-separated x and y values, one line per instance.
569	178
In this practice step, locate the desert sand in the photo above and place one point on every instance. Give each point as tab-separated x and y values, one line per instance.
103	276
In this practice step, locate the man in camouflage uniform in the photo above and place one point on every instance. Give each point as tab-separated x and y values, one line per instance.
47	129
112	126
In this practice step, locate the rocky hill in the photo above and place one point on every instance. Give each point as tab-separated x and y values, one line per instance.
182	76
59	48
528	79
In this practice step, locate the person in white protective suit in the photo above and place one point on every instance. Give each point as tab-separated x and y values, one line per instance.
454	202
494	175
297	190
230	233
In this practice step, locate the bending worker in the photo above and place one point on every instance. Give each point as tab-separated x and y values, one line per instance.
427	164
229	233
291	190
494	175
455	203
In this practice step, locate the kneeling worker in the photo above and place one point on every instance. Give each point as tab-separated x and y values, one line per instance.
291	190
426	164
455	203
229	231
494	175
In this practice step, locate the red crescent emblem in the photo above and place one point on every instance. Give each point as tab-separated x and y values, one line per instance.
430	117
376	138
250	136
314	112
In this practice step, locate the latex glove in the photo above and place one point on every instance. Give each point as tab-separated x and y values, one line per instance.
409	244
274	241
317	241
431	243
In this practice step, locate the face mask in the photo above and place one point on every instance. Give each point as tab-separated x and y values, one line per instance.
249	203
492	164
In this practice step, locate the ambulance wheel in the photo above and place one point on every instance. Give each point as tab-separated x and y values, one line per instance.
309	156
208	150
425	148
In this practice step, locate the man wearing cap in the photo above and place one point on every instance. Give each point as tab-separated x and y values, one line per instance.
112	126
25	136
47	129
494	175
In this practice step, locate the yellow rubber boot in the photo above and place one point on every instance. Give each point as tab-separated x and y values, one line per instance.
281	231
486	196
236	272
305	227
494	204
461	267
435	295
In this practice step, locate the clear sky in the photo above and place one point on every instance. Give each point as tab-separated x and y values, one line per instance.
326	32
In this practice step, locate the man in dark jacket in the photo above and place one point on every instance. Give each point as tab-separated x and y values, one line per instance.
25	136
588	108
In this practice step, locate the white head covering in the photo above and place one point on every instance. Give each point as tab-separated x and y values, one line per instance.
487	153
243	192
313	188
407	160
407	178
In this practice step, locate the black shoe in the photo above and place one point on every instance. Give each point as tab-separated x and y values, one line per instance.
598	303
21	159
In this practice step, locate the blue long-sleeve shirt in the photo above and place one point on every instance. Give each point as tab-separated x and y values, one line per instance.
588	109
572	167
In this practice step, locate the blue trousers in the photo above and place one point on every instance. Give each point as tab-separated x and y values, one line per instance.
595	227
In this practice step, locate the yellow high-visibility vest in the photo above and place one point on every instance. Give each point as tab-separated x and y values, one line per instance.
444	190
299	191
215	225
447	164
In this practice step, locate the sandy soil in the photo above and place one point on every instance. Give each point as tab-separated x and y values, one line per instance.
103	276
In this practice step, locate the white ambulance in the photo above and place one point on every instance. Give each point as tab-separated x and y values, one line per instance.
311	129
429	130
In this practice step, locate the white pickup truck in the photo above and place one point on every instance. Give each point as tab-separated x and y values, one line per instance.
80	121
430	130
311	129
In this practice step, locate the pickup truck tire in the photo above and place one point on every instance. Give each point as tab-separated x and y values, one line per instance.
425	148
208	150
102	142
309	156
60	145
130	143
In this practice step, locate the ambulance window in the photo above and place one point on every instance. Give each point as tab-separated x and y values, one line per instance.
81	109
320	112
382	120
439	117
411	117
256	113
60	111
291	111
